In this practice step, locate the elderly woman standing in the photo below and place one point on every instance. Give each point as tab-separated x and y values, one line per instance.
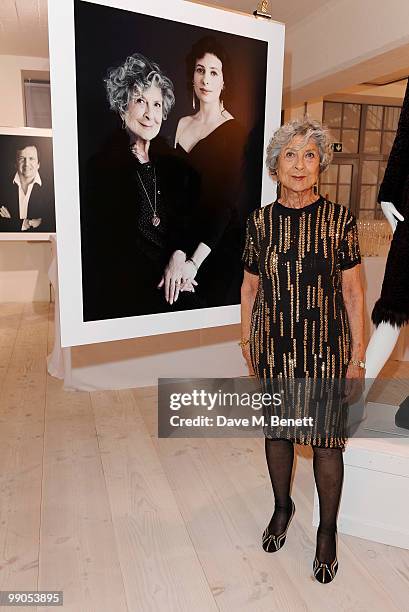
135	199
302	317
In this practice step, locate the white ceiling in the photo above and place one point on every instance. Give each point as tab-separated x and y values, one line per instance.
23	27
23	23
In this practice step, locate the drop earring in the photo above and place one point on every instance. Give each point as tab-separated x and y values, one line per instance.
278	189
193	99
315	189
222	109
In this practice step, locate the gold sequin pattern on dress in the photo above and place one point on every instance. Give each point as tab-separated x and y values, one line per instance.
299	325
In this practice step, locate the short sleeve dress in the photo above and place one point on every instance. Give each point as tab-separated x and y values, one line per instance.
299	324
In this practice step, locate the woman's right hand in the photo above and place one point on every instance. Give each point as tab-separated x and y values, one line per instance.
246	354
172	276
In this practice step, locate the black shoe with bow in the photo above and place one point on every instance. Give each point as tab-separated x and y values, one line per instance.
272	542
325	572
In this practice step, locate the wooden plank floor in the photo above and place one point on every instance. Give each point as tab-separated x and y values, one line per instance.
92	503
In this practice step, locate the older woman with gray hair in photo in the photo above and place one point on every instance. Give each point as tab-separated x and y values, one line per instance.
302	318
135	199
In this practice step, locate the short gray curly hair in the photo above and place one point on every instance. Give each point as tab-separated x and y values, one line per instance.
135	75
309	128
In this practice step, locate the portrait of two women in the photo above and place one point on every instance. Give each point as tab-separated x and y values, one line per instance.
170	141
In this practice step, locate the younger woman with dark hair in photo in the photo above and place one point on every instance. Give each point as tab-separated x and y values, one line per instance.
212	141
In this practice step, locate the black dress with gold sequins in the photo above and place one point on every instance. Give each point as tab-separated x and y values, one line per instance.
299	326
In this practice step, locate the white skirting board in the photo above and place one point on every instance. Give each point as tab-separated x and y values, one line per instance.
375	496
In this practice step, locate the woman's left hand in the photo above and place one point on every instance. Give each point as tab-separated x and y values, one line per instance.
189	271
187	281
189	286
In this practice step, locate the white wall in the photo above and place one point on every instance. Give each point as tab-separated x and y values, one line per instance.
313	108
11	99
23	265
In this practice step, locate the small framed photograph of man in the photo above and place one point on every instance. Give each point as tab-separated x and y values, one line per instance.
27	210
161	112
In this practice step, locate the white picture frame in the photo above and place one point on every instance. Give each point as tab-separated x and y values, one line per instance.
62	39
18	136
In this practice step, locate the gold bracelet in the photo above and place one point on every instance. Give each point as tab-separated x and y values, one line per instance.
243	343
357	362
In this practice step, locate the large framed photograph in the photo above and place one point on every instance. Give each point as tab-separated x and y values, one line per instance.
161	115
27	209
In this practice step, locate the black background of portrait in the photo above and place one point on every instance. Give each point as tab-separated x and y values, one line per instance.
105	36
9	144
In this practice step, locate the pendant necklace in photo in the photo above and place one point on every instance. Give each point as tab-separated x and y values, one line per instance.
155	219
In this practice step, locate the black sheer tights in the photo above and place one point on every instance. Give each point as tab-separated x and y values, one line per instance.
328	464
280	458
328	468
